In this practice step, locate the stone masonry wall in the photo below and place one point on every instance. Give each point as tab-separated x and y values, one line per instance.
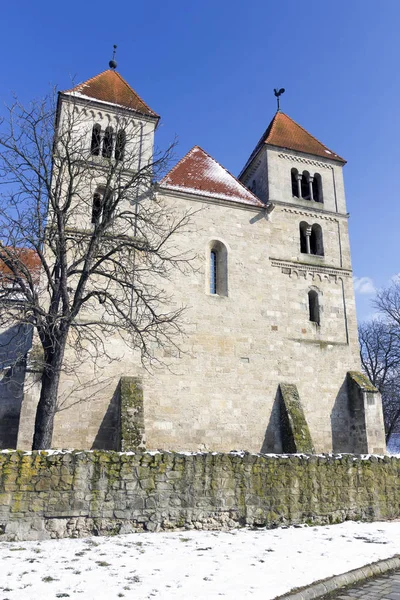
220	392
49	495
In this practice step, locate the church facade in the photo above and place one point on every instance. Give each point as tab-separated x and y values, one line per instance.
270	357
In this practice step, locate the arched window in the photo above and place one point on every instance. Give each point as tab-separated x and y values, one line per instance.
96	207
295	185
96	140
313	307
213	272
303	237
316	242
218	269
108	142
305	185
120	145
317	188
101	203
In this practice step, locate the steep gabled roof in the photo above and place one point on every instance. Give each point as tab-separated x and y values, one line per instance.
286	133
110	87
198	173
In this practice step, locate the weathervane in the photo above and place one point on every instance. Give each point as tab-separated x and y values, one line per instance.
113	62
279	93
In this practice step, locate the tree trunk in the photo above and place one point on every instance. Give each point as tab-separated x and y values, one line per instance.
47	405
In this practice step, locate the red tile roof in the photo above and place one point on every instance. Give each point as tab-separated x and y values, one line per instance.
110	87
286	133
198	173
29	259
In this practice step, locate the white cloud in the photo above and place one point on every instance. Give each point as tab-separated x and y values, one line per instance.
364	286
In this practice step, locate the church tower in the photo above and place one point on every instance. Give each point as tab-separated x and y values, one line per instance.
300	181
112	128
103	147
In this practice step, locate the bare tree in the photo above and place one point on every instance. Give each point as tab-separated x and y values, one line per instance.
380	359
102	238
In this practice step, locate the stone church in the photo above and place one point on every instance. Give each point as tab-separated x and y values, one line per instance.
270	360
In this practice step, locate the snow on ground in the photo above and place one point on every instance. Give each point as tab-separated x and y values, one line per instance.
191	565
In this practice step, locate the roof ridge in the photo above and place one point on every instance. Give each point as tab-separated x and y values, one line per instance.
229	173
117	84
86	81
308	133
259	144
285	132
219	164
178	163
132	90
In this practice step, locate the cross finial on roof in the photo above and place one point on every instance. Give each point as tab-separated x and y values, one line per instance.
113	62
279	93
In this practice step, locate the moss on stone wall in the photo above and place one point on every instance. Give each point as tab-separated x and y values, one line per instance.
362	381
296	435
132	414
82	493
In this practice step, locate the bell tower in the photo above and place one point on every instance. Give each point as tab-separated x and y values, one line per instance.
111	128
300	181
103	146
315	172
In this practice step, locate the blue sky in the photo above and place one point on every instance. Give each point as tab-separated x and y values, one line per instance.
209	69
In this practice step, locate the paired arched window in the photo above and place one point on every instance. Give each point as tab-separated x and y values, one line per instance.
100	203
306	186
105	143
96	140
311	240
313	307
218	269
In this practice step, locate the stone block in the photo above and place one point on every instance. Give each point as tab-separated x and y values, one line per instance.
131	414
296	435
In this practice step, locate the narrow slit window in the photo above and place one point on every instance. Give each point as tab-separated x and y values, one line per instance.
108	142
120	145
217	279
295	184
96	140
213	272
313	307
96	207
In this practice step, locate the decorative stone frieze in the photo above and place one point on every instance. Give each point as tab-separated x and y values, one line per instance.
306	161
308	270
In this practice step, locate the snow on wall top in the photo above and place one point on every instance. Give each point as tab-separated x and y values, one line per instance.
198	173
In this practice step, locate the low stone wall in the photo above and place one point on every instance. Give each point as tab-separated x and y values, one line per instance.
58	494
